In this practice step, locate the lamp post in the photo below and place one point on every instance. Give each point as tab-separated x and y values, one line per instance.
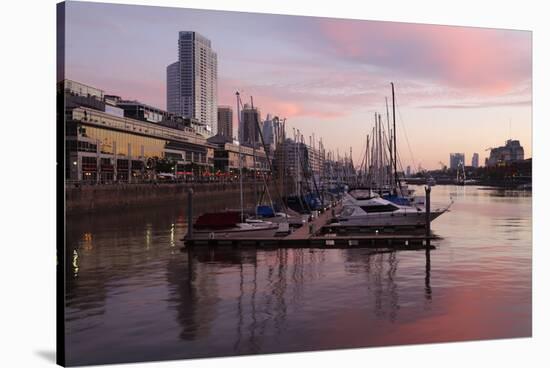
98	161
78	175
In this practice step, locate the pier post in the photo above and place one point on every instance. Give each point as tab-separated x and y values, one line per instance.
190	213
428	190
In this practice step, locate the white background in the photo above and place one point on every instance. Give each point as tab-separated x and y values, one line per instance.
27	182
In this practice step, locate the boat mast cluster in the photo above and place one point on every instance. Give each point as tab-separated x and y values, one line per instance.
378	169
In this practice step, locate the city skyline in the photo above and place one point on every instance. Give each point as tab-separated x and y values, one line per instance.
326	76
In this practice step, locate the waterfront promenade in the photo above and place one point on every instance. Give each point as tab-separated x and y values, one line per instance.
82	199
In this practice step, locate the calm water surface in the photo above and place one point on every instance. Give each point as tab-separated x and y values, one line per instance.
133	295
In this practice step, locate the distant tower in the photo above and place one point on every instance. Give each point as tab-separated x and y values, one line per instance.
269	128
408	172
225	121
249	116
455	160
475	160
192	81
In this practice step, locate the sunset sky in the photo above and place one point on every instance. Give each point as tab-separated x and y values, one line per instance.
458	89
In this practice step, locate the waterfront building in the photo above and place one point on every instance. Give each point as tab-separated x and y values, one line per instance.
475	160
248	132
511	152
456	159
225	121
297	159
227	152
106	147
140	111
83	90
78	94
111	106
191	82
178	122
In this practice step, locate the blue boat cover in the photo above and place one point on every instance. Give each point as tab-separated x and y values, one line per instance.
265	211
401	201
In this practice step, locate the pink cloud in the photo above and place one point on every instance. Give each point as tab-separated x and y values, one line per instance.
279	100
488	61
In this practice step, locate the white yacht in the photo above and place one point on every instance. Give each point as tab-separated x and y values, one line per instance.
364	208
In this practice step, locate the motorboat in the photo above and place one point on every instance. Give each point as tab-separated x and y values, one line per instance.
364	208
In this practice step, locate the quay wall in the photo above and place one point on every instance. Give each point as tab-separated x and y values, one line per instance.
82	199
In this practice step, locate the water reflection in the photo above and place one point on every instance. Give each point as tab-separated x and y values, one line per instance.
194	295
264	288
379	268
129	281
427	286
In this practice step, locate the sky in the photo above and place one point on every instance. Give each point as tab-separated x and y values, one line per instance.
458	89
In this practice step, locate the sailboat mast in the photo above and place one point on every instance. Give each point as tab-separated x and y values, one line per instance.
380	148
383	156
366	161
254	133
394	137
390	133
240	156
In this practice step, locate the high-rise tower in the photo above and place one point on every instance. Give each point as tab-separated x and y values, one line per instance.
192	81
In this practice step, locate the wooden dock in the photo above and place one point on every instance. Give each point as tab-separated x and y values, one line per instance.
311	235
402	242
312	228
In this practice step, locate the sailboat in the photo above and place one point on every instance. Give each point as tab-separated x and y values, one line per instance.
228	225
235	224
384	201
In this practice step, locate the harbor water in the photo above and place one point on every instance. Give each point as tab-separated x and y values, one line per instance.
133	295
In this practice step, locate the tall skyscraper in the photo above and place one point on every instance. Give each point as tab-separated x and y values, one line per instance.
475	160
248	132
192	81
456	159
225	121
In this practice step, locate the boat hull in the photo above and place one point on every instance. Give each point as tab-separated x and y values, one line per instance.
236	233
387	220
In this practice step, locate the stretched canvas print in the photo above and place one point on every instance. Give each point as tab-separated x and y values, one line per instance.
234	183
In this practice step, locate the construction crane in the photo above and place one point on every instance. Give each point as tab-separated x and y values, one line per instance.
443	166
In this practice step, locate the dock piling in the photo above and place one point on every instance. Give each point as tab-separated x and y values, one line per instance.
190	213
428	190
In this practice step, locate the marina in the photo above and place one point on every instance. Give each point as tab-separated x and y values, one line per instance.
242	299
371	207
236	183
294	242
318	233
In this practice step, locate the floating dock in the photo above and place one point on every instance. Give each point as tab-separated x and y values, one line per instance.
310	236
391	241
314	235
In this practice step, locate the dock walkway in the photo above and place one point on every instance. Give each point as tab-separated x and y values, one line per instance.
310	236
312	228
